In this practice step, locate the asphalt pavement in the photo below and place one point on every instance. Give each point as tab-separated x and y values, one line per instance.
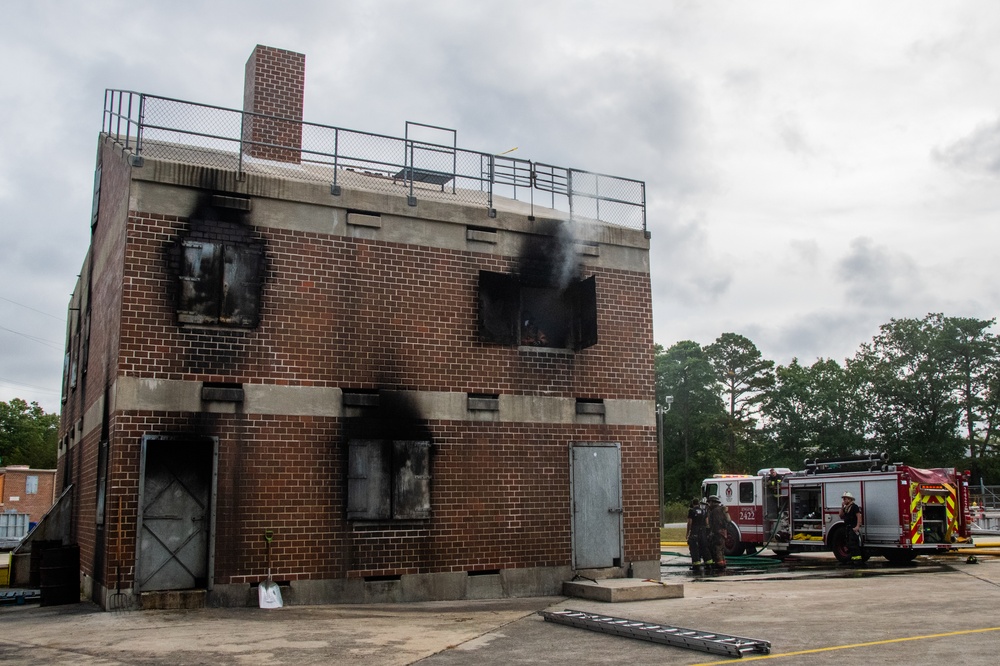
941	610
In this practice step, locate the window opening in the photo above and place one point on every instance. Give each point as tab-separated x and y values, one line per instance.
31	485
514	312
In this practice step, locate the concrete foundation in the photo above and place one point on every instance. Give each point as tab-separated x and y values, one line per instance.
449	586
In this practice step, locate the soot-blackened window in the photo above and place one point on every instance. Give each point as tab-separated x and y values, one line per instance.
388	479
220	283
515	312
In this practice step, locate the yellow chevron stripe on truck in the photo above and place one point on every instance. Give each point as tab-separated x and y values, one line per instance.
916	515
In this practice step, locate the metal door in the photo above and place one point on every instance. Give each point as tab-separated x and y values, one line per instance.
174	526
596	488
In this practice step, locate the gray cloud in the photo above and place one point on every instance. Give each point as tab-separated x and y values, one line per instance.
819	334
793	136
978	152
805	252
875	276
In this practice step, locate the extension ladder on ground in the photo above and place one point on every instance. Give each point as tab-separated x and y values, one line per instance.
733	646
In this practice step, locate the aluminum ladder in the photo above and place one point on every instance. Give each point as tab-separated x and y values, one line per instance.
693	639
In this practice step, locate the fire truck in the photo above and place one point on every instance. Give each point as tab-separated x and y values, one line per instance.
906	511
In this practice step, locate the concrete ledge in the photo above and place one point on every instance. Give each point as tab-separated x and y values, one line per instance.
487	586
616	590
362	220
448	586
172	600
231	596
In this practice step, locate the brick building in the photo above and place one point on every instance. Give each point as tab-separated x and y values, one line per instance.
378	355
25	496
27	491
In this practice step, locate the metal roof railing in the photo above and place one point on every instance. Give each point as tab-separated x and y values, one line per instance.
176	130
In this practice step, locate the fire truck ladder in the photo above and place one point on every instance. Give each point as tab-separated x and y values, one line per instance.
693	639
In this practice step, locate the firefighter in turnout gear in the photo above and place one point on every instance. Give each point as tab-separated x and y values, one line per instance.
773	482
697	533
718	527
851	515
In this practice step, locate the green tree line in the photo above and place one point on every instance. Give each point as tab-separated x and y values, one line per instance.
28	436
925	391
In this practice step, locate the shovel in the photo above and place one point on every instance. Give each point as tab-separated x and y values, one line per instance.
268	592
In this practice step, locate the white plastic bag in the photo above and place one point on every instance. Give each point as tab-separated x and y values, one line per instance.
269	594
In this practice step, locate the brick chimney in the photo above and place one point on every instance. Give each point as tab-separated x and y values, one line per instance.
274	86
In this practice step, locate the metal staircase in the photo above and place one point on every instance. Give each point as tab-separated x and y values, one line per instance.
693	639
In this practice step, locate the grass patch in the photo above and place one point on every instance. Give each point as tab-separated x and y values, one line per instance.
672	533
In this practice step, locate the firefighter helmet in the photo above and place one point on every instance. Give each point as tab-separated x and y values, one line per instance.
715	498
847	495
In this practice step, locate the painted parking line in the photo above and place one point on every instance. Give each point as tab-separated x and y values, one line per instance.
859	645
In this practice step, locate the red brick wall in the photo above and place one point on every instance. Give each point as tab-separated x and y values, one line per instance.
353	313
274	86
500	497
104	293
14	484
347	312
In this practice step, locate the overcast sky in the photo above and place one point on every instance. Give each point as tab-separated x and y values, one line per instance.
813	169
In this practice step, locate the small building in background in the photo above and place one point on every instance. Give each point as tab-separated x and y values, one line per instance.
25	496
379	368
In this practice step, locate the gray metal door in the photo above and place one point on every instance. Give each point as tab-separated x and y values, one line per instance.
175	521
596	482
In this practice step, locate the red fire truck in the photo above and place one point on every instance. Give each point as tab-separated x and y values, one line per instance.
906	511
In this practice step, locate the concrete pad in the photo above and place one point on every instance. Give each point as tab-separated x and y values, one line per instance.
924	613
617	590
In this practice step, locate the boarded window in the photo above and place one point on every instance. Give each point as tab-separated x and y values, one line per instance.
31	485
515	313
388	479
219	284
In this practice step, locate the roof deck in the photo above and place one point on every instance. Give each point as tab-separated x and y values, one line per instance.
430	167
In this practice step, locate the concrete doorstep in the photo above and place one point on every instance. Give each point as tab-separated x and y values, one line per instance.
618	590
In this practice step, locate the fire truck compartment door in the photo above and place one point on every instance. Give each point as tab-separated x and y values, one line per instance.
880	511
878	499
834	492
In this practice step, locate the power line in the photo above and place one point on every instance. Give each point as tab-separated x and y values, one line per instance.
28	307
41	341
11	382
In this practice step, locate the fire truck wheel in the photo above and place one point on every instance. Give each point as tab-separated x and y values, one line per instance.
838	544
733	545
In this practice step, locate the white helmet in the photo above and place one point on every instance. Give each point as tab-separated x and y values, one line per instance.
847	495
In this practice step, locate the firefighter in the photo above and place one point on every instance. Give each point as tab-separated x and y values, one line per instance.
697	532
773	482
850	513
718	527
